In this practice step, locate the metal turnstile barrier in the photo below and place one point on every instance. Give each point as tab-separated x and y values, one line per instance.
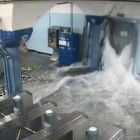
75	126
71	127
43	121
24	121
6	102
112	133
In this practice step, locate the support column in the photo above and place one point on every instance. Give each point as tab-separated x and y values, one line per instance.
10	51
13	70
96	48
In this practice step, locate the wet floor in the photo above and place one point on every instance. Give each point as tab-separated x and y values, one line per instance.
29	59
108	97
34	65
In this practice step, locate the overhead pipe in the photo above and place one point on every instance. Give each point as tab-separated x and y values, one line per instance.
64	1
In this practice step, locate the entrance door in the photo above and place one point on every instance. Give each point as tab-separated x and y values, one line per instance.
122	32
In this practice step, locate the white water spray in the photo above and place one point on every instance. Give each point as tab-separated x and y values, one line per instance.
111	96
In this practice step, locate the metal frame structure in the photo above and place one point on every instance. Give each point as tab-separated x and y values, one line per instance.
6	104
75	127
12	68
10	51
93	38
6	1
134	37
43	121
30	121
96	29
71	127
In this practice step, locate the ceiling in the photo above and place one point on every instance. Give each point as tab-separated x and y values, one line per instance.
70	0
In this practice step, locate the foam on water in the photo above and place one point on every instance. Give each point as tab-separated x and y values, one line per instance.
73	66
110	96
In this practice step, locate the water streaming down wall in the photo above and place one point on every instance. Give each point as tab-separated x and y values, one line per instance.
110	96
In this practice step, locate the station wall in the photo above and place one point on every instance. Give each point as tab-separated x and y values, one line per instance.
59	15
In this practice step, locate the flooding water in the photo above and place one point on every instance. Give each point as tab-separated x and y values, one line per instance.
110	96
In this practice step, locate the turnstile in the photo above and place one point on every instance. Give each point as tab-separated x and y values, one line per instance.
74	126
6	103
24	121
71	127
112	133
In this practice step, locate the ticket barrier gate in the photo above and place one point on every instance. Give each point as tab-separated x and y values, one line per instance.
71	127
23	121
6	104
112	133
41	121
75	127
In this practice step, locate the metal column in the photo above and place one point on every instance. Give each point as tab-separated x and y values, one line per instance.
10	51
94	28
12	66
96	48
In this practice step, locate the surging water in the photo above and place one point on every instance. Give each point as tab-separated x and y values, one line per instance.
110	96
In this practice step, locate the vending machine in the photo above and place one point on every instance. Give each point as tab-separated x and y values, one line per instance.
68	46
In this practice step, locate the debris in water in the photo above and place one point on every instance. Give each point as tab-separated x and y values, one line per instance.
110	96
27	74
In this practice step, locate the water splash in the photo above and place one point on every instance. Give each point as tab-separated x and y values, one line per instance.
111	96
